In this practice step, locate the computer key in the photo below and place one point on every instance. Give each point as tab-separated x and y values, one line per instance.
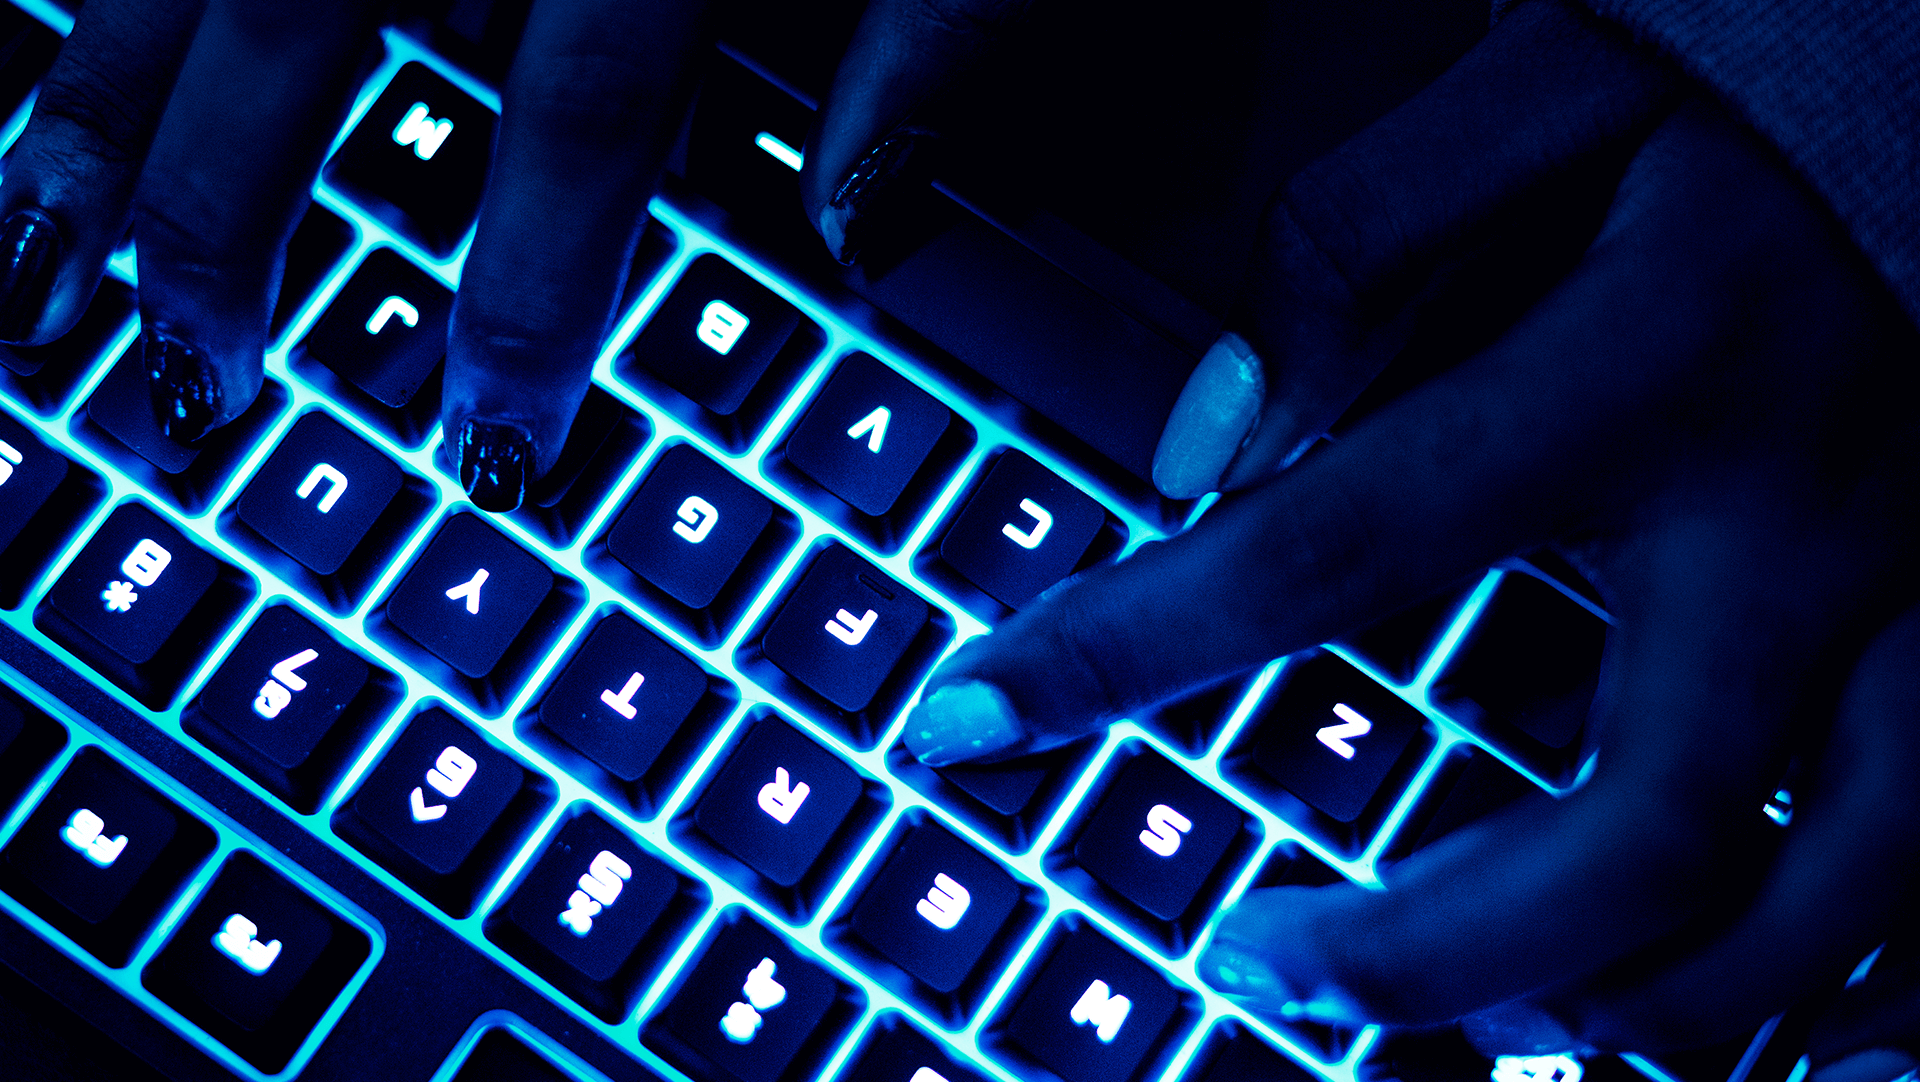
1022	531
428	808
750	1005
319	493
418	159
867	433
844	628
688	526
935	906
582	911
1093	1012
622	696
256	962
30	471
102	855
276	698
1331	736
715	334
1248	1057
386	330
898	1052
469	595
1157	835
499	1056
778	801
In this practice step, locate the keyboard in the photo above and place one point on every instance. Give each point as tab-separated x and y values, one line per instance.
310	769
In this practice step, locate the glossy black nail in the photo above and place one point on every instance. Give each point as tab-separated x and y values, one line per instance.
187	400
494	458
849	216
29	256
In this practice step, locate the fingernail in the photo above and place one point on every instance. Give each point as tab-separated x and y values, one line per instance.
187	400
1247	978
848	216
960	722
29	256
493	463
1520	1029
1217	413
1871	1065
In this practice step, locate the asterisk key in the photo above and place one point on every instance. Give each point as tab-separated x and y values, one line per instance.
119	596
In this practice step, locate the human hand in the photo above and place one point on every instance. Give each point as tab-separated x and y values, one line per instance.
204	122
1696	411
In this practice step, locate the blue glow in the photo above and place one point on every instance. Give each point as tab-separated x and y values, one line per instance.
781	152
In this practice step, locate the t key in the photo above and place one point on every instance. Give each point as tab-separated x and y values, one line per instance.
622	696
844	628
418	159
469	595
867	434
319	493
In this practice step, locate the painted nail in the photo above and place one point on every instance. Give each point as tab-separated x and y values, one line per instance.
1217	414
847	220
1246	977
1870	1065
185	388
960	722
494	456
29	256
1520	1029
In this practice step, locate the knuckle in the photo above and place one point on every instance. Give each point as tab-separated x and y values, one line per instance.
103	114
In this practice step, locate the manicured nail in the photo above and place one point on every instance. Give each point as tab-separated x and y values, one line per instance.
847	219
960	722
1871	1065
29	256
1520	1029
187	399
494	457
1247	978
1217	413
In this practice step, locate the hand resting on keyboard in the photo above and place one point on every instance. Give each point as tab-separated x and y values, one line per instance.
1695	408
215	177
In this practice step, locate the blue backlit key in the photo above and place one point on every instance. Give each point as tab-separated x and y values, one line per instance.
778	801
622	696
319	493
897	1052
1093	1012
935	906
844	628
1156	836
1332	736
256	962
30	471
866	434
469	595
689	526
418	159
386	331
750	1007
102	855
1023	530
715	334
499	1056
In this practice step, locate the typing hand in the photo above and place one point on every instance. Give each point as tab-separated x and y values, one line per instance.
204	123
1694	404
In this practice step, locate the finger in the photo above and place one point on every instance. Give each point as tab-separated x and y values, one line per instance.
1872	1034
1548	100
1839	884
70	177
591	108
863	142
264	88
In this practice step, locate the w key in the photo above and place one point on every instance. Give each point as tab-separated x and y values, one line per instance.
418	159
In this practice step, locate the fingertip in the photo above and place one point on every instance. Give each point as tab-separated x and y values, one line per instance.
30	250
494	459
1217	413
963	721
190	397
1870	1065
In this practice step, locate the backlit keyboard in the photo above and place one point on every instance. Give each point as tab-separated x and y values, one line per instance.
320	769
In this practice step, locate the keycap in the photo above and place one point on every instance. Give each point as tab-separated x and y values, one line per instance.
867	434
138	602
897	1052
844	628
689	527
256	962
1023	530
1243	1056
1092	1012
1526	673
317	246
276	699
499	1056
437	808
1008	800
102	855
749	1009
778	801
1157	836
418	159
715	334
579	916
935	907
30	472
469	595
1331	736
622	696
386	331
319	493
